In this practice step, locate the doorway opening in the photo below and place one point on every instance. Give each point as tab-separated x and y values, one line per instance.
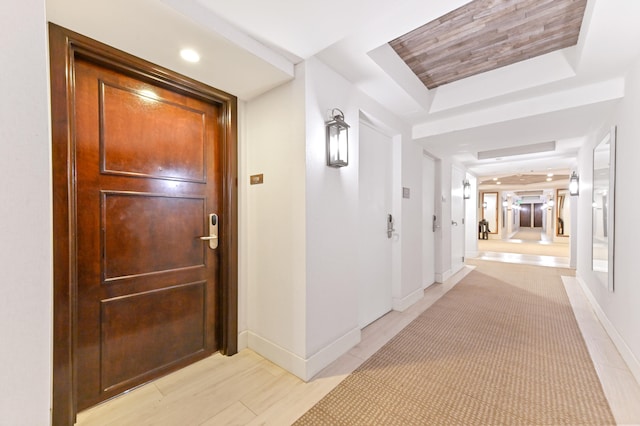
525	222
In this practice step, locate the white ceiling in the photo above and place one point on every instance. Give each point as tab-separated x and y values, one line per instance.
251	46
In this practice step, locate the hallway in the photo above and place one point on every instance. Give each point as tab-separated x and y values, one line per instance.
571	112
247	389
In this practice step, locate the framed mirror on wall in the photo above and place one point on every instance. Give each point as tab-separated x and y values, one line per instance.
603	205
563	213
490	210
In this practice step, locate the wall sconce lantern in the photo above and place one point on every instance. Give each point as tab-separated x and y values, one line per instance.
466	189
505	203
337	140
574	180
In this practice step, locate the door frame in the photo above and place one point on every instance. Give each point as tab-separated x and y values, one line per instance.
64	47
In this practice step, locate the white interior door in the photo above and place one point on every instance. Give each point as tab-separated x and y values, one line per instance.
457	220
375	176
428	214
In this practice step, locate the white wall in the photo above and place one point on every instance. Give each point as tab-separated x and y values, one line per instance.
443	221
243	225
443	212
25	210
274	220
411	225
302	278
428	211
332	214
301	243
471	219
458	175
620	308
332	217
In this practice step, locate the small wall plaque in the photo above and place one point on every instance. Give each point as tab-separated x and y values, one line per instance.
256	179
406	193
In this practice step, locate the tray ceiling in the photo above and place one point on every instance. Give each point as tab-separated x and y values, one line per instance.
487	34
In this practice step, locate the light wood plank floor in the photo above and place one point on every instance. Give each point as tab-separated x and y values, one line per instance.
246	389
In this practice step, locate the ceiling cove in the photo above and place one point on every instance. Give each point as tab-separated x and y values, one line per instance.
484	35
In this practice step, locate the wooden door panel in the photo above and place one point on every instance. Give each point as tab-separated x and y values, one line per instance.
168	140
142	235
141	333
537	215
525	215
148	170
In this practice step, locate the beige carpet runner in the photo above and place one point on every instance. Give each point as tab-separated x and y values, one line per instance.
502	347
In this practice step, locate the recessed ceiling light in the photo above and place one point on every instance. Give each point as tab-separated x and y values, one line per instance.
498	183
495	178
190	55
549	179
549	174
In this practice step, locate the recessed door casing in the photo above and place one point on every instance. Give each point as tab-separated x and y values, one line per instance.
141	158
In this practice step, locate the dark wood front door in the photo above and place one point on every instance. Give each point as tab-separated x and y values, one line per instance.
537	215
525	215
146	158
147	178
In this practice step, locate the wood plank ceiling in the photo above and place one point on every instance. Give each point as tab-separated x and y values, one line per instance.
487	34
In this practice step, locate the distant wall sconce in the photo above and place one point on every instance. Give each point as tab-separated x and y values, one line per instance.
551	203
466	189
505	203
484	205
574	187
337	140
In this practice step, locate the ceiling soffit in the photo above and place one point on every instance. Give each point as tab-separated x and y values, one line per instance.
487	34
524	179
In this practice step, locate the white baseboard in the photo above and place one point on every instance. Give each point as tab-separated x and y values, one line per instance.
616	338
278	355
243	340
325	356
305	369
442	277
426	286
404	303
471	254
448	274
